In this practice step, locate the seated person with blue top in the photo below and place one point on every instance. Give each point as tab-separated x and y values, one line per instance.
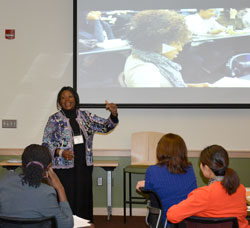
172	178
24	196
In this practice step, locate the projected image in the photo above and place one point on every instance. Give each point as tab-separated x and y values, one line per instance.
163	48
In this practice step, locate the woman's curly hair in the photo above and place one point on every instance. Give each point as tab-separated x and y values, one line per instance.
150	28
32	172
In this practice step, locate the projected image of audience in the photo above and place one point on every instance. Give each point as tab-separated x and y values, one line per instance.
164	48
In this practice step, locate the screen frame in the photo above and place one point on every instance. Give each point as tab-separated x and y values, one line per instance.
147	4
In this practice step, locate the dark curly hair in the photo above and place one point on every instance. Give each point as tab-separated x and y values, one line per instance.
216	158
150	28
33	172
172	152
74	93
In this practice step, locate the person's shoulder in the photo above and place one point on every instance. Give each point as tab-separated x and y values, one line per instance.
155	167
190	168
55	115
9	176
84	113
214	188
136	62
203	191
242	188
46	188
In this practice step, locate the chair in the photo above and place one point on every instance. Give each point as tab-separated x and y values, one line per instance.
131	170
155	210
202	222
14	222
143	154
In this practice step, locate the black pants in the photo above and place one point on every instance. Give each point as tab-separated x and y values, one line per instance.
77	183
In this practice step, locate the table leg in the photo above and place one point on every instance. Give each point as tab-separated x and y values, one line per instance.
109	194
124	197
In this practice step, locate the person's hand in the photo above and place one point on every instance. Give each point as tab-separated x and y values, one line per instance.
67	154
53	179
216	31
112	108
140	184
204	84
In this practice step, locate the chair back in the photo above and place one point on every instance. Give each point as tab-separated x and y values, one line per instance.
201	222
14	222
155	209
143	147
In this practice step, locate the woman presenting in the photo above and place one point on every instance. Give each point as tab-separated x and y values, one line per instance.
69	136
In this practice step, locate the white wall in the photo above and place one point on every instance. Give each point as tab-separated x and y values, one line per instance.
35	65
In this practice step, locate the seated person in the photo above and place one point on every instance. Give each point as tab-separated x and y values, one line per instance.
25	196
223	197
231	19
204	22
172	178
92	27
156	37
246	17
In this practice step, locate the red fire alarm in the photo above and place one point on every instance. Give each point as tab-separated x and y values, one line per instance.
10	34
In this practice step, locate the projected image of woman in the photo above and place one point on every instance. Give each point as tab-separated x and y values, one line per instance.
156	37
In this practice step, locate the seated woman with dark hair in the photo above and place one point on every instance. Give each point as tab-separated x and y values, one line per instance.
25	196
156	37
172	178
223	197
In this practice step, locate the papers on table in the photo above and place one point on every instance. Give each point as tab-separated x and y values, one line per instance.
231	82
114	43
80	222
14	160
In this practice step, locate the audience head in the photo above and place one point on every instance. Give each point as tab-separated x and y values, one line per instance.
35	160
67	92
216	158
150	29
207	13
172	152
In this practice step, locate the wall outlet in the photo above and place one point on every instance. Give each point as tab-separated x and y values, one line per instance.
99	181
9	123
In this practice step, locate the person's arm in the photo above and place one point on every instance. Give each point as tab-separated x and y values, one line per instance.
113	111
48	137
204	84
99	124
147	183
61	211
140	184
197	201
66	154
142	74
57	185
149	179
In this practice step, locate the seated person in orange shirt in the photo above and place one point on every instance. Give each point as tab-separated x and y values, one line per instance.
223	197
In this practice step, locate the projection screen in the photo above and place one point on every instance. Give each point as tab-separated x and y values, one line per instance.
162	53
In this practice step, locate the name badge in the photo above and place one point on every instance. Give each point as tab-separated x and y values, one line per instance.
78	139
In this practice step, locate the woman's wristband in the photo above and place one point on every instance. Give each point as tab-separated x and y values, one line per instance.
60	153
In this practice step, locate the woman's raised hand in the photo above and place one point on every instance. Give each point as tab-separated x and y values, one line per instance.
112	108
